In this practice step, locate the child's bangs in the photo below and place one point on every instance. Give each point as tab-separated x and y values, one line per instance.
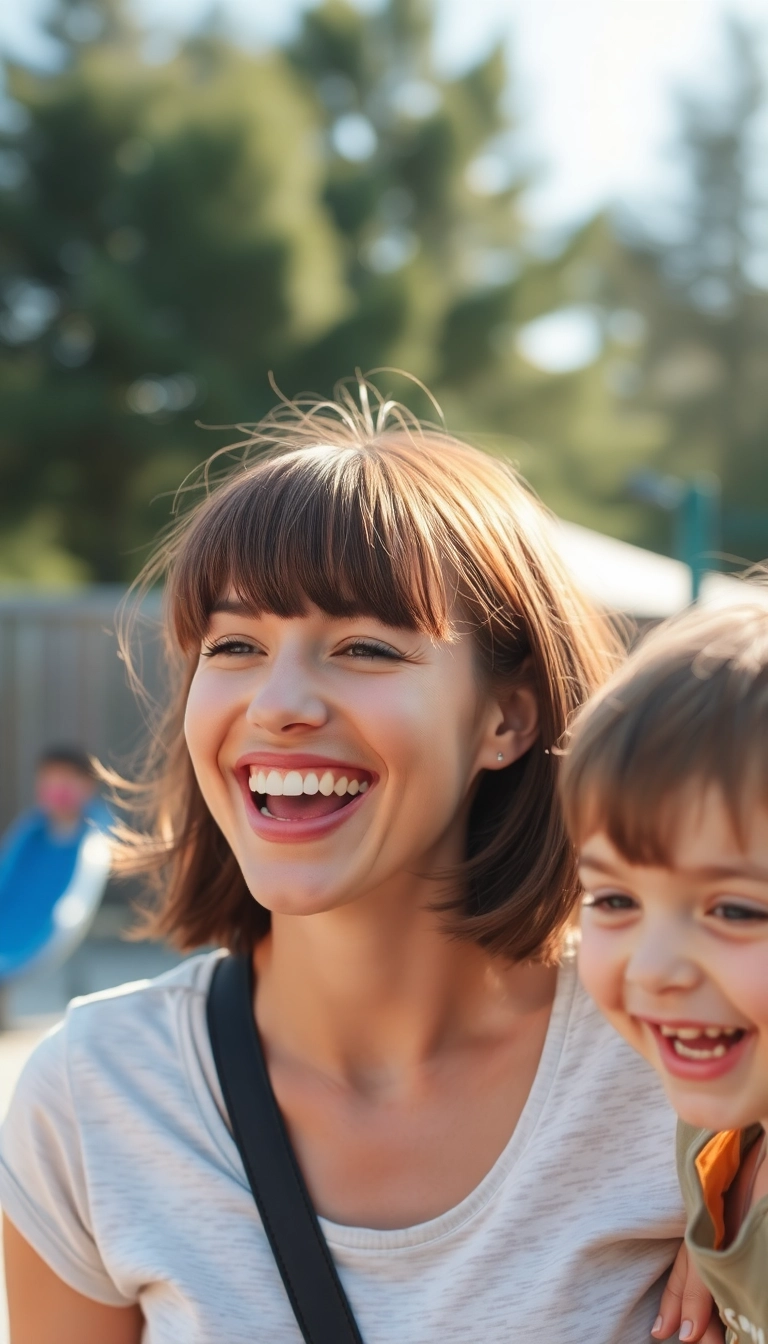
648	751
319	527
641	822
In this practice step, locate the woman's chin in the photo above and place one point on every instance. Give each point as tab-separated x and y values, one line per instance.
295	898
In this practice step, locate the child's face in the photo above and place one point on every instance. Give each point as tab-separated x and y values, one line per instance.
677	959
61	791
338	756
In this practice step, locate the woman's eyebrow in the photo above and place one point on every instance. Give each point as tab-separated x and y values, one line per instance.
233	605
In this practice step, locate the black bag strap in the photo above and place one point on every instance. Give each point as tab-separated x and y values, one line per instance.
319	1302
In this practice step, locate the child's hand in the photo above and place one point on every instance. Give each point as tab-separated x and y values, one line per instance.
686	1307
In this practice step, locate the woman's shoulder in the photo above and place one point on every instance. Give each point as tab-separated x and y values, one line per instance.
143	1006
139	998
118	1039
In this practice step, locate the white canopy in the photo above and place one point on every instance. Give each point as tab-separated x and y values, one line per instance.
640	583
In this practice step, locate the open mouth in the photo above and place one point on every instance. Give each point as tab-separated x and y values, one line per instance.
305	795
697	1043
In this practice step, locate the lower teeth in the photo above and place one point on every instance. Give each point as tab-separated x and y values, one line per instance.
687	1052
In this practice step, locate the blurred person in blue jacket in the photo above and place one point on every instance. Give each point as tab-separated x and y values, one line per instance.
39	855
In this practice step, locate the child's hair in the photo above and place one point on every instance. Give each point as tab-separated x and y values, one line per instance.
397	520
73	757
689	708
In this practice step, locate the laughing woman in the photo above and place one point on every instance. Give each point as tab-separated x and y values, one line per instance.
377	646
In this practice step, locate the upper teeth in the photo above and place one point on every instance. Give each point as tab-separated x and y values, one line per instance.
691	1033
295	782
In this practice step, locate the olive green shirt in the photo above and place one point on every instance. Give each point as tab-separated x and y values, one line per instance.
737	1276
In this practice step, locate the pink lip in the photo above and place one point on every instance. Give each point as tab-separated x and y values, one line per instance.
697	1070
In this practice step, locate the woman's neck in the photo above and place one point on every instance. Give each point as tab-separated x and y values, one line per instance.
378	988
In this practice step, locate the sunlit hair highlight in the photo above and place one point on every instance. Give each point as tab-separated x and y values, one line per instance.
688	710
368	511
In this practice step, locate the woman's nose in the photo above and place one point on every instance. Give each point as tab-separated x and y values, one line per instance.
288	697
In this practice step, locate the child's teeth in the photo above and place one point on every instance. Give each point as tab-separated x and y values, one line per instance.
363	785
326	784
680	1034
293	784
687	1051
274	784
353	787
340	787
311	784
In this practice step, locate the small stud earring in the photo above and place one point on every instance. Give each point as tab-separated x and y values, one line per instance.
499	755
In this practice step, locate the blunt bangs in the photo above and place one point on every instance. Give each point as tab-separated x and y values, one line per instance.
337	528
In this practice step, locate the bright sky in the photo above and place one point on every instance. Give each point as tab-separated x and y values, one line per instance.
595	77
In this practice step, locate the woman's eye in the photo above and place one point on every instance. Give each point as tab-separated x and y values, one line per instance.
609	901
370	648
235	648
735	912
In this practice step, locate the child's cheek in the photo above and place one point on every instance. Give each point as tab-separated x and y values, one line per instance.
600	969
744	982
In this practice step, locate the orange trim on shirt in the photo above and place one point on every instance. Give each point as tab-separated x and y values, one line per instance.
718	1164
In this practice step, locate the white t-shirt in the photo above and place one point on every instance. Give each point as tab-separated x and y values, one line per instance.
117	1165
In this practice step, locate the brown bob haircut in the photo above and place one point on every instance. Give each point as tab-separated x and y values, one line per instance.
687	710
362	509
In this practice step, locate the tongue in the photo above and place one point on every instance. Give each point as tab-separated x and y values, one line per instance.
704	1042
305	807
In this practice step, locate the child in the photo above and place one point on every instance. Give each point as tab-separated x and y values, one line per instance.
51	850
39	851
665	789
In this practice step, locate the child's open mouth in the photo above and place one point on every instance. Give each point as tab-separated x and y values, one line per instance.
701	1042
696	1051
305	795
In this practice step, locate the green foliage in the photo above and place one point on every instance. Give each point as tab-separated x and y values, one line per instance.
160	251
705	363
170	234
439	263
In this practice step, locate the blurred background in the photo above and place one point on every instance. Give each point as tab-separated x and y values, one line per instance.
555	215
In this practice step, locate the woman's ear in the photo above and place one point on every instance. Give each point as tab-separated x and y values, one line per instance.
513	726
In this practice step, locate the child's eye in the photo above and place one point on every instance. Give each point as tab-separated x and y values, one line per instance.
737	912
235	648
609	901
370	648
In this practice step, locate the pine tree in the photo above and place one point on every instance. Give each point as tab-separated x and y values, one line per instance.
162	245
706	304
172	233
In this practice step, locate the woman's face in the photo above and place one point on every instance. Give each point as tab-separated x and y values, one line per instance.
339	755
